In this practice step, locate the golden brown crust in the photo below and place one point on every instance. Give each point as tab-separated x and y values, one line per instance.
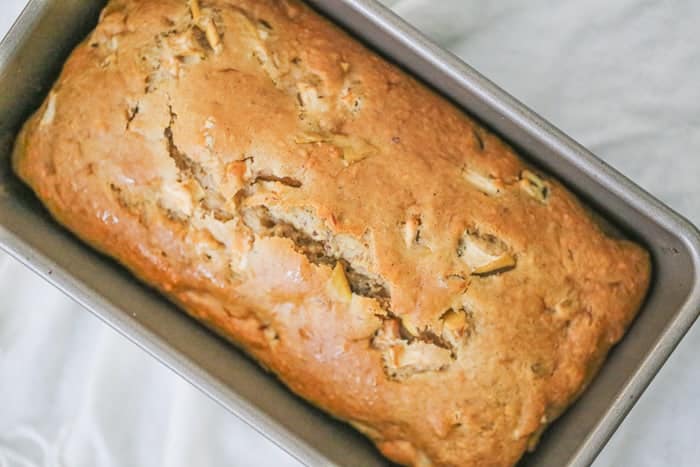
390	260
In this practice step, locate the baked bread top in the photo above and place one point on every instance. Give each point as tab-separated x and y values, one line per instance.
385	256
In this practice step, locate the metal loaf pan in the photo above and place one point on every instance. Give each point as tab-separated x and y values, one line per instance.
30	58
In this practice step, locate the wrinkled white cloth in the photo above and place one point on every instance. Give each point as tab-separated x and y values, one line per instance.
622	77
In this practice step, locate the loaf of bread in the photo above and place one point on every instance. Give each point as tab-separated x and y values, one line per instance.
386	257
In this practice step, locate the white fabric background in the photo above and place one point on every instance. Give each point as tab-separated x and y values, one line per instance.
621	76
